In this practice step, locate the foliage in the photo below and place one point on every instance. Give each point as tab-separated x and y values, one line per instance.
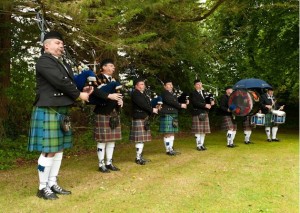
219	42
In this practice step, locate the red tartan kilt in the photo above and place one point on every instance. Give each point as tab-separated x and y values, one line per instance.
138	133
247	123
103	132
200	127
228	123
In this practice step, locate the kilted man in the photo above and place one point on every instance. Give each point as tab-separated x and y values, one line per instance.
201	103
49	134
107	122
169	116
228	123
140	125
269	103
247	128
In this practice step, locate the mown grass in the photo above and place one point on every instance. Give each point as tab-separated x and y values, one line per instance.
260	177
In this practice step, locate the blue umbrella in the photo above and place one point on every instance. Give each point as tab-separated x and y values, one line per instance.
251	83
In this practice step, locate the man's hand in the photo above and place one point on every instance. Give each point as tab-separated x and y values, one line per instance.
115	96
84	96
120	102
88	89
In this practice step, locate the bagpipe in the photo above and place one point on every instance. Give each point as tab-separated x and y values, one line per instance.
88	78
182	97
208	97
155	100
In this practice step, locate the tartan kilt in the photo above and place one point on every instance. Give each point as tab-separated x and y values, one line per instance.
268	121
200	127
103	132
165	123
247	123
137	131
228	123
45	133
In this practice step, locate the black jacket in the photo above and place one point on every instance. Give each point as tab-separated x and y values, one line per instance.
224	105
267	100
55	85
108	105
141	107
170	103
198	102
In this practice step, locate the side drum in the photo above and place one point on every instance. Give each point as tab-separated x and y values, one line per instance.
258	119
278	117
244	102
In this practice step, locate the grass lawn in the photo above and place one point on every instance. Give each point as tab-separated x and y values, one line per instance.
260	177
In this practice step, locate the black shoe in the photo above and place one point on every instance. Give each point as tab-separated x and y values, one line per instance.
276	140
231	146
103	169
140	161
199	148
173	152
269	140
247	142
58	190
46	194
112	167
203	148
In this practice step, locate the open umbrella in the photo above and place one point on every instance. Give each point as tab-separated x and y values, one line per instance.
251	83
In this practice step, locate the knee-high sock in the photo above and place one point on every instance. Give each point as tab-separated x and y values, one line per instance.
247	134
268	132
167	143
229	137
202	138
172	141
44	167
233	136
101	153
274	131
110	146
55	169
198	140
139	149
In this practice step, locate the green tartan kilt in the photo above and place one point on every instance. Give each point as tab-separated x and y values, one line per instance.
165	124
268	121
45	133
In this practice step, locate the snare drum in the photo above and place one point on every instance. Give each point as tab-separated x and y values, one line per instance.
278	117
258	119
244	102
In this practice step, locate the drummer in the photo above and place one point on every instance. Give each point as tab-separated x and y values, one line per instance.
228	121
268	104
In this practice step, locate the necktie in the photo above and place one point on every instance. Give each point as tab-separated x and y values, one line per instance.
109	79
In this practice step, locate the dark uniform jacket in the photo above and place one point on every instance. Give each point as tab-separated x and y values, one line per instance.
198	102
267	100
224	105
108	105
170	103
55	85
141	106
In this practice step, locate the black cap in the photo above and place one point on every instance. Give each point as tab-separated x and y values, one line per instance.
167	81
228	87
53	34
197	81
137	80
106	61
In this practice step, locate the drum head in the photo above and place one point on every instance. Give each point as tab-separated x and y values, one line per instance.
242	102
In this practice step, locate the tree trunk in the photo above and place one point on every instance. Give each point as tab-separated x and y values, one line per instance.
5	47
